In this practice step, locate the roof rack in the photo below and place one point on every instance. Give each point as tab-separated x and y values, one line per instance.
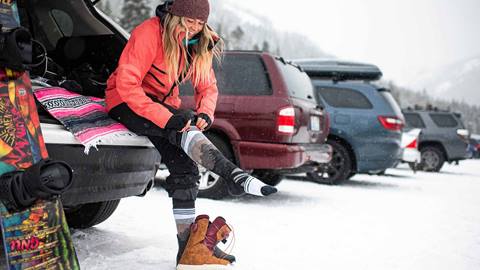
430	108
281	59
339	70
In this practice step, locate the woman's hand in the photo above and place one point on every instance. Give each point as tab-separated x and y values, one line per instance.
180	121
187	126
203	122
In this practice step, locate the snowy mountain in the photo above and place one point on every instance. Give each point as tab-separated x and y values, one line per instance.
244	29
459	81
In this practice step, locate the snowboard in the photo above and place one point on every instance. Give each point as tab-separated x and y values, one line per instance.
36	237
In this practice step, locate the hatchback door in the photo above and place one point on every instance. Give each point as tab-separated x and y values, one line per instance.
311	121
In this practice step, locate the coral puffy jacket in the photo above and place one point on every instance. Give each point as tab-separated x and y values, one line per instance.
141	72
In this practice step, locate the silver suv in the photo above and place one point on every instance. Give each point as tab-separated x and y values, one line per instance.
443	138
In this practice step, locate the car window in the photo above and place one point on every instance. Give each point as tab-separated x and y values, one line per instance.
414	120
443	120
387	95
238	75
344	98
298	83
64	22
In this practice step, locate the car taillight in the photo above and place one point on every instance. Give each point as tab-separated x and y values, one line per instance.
327	122
413	144
391	122
286	120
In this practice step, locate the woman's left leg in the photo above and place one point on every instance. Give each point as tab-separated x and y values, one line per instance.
181	185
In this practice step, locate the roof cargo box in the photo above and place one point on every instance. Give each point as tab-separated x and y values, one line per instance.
339	70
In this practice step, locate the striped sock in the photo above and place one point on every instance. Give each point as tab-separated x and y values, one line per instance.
250	184
184	217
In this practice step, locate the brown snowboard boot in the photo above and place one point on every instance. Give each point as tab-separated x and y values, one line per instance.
204	237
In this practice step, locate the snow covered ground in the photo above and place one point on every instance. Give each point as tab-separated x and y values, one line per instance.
398	221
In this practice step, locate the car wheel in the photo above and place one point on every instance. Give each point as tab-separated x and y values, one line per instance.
212	185
88	215
432	159
339	168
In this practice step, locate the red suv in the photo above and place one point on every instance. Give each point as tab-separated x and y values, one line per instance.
267	119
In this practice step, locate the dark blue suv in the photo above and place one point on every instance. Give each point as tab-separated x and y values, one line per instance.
365	120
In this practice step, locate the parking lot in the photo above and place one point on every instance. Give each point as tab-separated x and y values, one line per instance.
398	221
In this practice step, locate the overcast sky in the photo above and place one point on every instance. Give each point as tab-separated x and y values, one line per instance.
403	37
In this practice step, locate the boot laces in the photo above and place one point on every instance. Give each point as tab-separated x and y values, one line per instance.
231	243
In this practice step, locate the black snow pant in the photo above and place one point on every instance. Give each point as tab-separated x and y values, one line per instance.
182	183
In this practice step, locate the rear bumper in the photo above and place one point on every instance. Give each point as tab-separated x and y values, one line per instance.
377	155
411	155
253	155
108	174
120	168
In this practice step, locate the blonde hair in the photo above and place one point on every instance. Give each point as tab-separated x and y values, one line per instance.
199	71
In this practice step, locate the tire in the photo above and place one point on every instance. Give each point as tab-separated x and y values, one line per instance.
88	215
338	170
432	159
213	186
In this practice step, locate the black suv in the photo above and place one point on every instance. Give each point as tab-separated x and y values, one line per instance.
443	138
84	45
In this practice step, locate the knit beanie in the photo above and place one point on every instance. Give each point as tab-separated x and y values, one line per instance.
195	9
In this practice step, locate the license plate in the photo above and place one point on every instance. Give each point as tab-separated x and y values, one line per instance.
314	123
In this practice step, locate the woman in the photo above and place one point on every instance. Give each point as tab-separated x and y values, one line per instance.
175	46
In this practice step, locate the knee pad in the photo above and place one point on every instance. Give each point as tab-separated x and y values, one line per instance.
182	187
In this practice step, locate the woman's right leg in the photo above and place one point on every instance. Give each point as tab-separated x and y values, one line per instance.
199	149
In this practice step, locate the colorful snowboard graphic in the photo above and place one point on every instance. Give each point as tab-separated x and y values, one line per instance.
38	237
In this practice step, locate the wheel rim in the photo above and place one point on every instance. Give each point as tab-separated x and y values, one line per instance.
207	178
430	160
333	168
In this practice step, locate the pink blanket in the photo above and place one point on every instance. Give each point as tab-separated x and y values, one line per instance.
86	117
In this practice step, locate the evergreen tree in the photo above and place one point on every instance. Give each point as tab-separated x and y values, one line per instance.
134	12
266	46
238	33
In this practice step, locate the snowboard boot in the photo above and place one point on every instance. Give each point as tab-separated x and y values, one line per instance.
204	237
217	252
